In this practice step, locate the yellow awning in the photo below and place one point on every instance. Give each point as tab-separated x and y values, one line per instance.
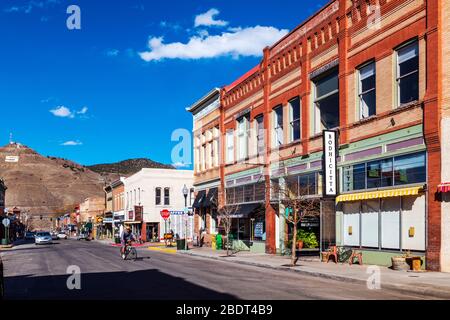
379	194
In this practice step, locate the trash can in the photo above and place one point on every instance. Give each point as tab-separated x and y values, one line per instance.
117	240
181	243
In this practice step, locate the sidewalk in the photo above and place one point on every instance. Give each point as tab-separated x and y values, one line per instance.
433	284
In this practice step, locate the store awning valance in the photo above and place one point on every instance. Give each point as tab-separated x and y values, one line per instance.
245	210
379	194
211	198
198	202
444	187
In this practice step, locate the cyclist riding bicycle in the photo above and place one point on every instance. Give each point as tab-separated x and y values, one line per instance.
127	238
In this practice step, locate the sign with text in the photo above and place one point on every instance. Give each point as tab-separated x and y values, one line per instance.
12	159
330	168
165	214
138	213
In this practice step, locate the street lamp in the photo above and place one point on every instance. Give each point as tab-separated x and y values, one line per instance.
185	194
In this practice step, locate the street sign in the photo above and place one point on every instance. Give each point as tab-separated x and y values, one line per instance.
6	222
330	158
165	214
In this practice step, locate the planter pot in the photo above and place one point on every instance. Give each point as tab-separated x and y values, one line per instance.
415	263
399	263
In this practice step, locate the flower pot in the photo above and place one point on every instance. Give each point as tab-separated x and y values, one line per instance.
400	264
415	263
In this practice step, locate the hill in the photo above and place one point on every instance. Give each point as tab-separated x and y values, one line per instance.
126	168
39	184
44	185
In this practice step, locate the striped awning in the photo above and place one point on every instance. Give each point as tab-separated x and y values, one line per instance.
444	187
379	194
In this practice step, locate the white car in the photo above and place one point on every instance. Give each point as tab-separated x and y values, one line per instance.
43	238
62	235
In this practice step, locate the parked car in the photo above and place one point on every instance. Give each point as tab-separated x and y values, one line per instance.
29	235
54	235
43	238
62	235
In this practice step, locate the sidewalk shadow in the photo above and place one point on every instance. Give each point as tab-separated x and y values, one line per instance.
138	285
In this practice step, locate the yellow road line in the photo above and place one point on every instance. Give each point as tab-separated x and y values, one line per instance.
165	250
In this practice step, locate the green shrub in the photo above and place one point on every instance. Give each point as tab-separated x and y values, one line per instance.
309	239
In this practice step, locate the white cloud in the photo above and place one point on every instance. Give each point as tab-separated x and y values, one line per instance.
62	112
83	111
207	19
71	143
239	42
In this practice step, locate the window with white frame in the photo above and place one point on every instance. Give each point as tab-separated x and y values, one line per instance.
230	146
197	157
326	101
367	91
408	73
166	196
260	139
243	136
278	126
294	114
215	149
158	196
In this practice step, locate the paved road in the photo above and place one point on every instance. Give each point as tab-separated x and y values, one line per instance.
39	272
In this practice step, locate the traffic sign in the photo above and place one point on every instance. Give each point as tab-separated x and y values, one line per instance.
165	214
6	222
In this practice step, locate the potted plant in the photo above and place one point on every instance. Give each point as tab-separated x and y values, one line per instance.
306	239
400	262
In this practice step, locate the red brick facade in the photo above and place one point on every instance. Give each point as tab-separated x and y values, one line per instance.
342	31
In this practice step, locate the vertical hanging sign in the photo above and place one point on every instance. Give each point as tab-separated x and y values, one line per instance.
330	168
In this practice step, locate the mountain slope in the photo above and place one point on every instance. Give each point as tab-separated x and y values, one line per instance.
45	185
42	185
126	168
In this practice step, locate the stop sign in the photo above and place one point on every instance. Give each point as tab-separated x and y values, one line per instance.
165	214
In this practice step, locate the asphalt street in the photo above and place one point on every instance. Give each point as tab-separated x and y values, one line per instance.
40	272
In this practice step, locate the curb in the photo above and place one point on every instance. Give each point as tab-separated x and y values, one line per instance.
407	289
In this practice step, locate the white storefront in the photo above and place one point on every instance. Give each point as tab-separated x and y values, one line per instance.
156	190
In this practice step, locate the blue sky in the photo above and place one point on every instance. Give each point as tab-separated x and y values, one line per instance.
117	88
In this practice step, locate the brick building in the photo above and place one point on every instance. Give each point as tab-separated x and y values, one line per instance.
375	72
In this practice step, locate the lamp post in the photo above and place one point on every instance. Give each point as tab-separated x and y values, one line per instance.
185	194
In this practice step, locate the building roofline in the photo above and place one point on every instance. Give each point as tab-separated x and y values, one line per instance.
193	108
242	78
330	2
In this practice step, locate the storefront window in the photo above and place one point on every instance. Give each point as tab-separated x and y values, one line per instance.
396	223
389	172
247	193
409	169
359	176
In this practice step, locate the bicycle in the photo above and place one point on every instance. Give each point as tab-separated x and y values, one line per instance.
130	252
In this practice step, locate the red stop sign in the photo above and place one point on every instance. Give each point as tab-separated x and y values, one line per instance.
165	214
